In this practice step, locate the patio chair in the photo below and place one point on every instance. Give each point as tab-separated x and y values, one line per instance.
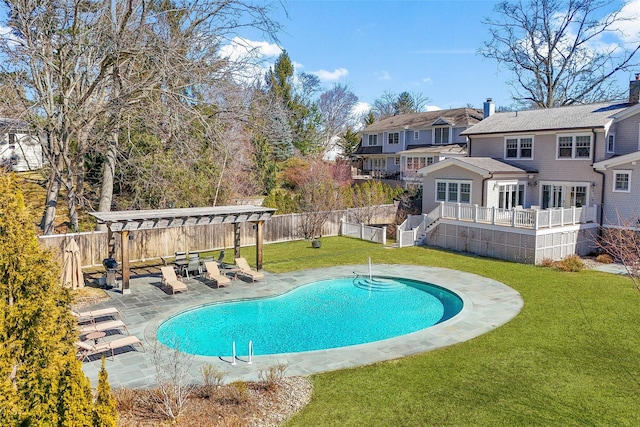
193	266
102	326
85	349
171	281
213	273
245	270
91	316
220	259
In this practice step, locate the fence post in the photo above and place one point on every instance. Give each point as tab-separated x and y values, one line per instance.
493	215
384	235
340	230
475	212
362	231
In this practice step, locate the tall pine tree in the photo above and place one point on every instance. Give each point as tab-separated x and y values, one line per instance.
41	381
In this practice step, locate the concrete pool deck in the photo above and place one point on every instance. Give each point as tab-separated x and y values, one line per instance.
488	304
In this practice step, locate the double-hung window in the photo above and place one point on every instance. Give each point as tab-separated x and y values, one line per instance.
393	137
574	147
415	163
416	134
373	140
622	181
611	143
453	191
441	135
518	148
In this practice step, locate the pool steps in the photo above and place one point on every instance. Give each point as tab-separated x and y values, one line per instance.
377	284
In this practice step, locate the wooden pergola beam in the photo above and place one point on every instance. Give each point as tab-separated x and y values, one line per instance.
124	222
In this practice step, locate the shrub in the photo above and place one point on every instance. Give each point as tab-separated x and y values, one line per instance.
213	379
605	258
126	399
270	376
547	262
571	263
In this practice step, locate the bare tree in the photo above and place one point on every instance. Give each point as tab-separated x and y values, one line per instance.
622	242
318	195
551	47
175	385
390	104
84	64
336	108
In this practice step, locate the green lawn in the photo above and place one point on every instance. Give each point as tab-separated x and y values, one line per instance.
571	357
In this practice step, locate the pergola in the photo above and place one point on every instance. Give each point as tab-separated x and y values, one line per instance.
124	222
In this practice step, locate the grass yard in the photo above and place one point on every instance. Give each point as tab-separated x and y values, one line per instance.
571	357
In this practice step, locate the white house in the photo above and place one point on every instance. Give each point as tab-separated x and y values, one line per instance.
19	148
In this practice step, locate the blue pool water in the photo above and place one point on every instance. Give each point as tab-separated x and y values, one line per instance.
321	315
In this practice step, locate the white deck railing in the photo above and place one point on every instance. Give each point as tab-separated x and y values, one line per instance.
522	218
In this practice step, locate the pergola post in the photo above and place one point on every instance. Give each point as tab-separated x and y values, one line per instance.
259	244
236	239
111	243
125	262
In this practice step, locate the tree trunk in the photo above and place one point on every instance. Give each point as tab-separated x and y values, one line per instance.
108	173
51	202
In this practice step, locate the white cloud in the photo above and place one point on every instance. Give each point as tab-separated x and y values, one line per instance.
251	58
382	75
432	108
361	108
628	27
426	80
331	76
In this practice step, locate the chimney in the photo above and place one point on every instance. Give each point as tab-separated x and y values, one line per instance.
634	90
490	108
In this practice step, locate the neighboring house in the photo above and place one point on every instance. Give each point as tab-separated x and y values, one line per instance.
19	149
552	176
397	147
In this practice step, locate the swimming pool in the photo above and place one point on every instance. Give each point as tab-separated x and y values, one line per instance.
320	315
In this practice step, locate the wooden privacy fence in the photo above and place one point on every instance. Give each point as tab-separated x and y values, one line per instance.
155	243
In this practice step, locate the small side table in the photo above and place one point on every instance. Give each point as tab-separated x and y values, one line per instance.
95	336
234	271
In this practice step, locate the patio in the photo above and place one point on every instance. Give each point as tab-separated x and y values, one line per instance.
488	304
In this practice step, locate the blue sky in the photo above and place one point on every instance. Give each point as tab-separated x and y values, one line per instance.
423	46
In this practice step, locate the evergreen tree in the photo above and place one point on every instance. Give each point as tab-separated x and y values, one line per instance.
349	142
404	104
41	381
104	411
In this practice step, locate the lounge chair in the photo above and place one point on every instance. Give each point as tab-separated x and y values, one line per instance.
245	270
91	316
102	326
213	273
170	280
85	349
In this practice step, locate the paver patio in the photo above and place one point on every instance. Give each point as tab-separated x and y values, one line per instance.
487	305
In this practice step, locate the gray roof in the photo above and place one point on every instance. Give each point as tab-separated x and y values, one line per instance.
459	117
494	166
435	149
572	117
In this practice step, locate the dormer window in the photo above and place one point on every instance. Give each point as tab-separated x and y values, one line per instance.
393	137
441	135
416	135
373	140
